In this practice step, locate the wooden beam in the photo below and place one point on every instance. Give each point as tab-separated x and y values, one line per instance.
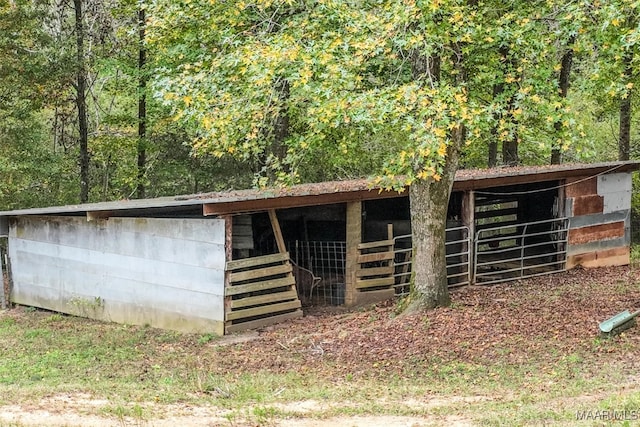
265	204
354	238
468	216
277	232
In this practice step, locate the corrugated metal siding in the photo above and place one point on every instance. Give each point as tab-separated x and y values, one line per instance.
167	273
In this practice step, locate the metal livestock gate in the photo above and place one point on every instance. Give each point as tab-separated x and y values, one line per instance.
493	255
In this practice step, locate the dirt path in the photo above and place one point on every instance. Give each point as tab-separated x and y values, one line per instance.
78	410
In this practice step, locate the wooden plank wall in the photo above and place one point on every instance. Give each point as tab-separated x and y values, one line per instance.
374	269
599	210
167	273
261	291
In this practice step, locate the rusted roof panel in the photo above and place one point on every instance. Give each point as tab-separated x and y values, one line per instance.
235	201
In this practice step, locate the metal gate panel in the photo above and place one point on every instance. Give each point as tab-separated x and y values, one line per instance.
523	250
458	255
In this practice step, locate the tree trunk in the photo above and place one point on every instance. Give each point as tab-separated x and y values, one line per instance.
624	143
510	146
81	101
492	162
142	104
563	89
429	201
281	125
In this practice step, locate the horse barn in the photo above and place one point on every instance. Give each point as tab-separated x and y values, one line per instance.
224	262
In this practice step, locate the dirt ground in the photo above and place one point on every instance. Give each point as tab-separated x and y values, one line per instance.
70	414
552	315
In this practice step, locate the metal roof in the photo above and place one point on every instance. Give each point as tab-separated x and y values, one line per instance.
319	193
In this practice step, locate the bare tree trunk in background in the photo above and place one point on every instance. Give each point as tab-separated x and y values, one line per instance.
142	103
563	89
624	143
81	100
493	144
510	146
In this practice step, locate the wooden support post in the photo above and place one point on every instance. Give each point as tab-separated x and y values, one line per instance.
277	232
3	294
469	220
228	252
354	238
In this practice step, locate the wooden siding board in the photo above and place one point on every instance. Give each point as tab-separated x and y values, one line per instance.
169	289
596	232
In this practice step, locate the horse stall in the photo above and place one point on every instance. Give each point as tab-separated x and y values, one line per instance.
229	261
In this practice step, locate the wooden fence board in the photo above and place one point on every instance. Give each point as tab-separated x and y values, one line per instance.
263	309
272	276
264	299
379	244
379	256
260	286
259	260
260	272
375	271
370	283
263	322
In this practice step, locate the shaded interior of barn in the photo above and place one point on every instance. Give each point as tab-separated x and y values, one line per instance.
514	231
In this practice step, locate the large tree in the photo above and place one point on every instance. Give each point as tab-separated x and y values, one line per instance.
277	83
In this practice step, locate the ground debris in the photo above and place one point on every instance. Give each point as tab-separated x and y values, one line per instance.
556	314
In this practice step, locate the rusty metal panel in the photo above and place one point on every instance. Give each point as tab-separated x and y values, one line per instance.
596	232
581	186
585	205
167	273
616	190
599	245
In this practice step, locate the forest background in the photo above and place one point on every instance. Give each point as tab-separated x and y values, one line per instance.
118	99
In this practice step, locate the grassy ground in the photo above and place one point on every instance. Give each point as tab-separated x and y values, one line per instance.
521	354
